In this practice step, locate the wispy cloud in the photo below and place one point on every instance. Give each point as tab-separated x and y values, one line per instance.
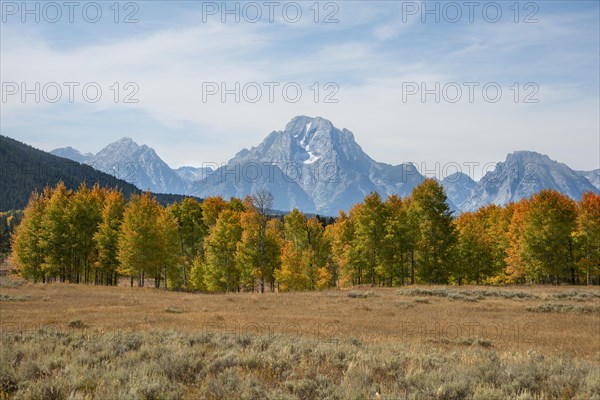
369	54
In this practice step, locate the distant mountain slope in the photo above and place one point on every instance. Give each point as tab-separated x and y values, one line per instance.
138	165
316	167
244	179
25	169
193	174
328	164
523	174
592	176
458	187
72	154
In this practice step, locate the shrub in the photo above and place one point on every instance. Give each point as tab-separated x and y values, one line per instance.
466	294
405	304
47	364
463	341
9	283
452	295
173	310
563	308
577	295
362	295
475	341
5	297
76	323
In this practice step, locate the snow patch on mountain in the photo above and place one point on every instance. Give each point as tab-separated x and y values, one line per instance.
312	158
193	174
328	164
316	167
139	165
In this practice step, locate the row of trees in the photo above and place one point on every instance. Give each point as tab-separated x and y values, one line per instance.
96	236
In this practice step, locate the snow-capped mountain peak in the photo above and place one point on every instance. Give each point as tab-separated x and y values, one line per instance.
316	167
326	163
523	174
139	165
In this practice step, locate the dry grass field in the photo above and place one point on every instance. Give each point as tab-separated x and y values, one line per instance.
416	342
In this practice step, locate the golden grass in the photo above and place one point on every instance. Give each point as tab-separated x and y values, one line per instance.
383	315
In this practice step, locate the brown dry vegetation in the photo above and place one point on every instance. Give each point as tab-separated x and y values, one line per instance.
458	327
380	315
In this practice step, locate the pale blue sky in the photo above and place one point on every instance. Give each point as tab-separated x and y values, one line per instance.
374	50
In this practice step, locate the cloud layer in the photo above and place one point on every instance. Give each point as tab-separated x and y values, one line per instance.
371	55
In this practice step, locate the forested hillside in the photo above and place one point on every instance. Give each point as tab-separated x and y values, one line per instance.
24	169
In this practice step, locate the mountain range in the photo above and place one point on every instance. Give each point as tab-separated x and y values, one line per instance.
523	174
24	170
126	160
316	167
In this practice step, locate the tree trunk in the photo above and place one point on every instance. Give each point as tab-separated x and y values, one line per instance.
373	269
165	279
412	268
262	258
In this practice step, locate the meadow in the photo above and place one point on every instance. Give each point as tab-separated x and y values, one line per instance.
65	341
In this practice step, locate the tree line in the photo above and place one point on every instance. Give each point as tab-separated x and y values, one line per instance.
94	235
